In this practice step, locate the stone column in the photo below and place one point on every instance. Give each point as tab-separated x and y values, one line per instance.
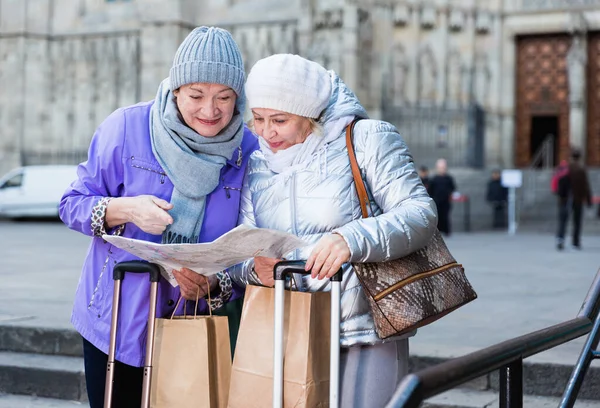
13	23
305	28
507	96
383	37
350	46
160	35
576	68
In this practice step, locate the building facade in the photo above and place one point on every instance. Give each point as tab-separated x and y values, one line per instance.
481	82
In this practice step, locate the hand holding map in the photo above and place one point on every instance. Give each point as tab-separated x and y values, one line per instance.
230	249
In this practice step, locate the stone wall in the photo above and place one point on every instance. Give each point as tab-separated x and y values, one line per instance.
66	64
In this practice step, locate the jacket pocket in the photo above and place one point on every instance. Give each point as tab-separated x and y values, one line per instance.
101	296
147	165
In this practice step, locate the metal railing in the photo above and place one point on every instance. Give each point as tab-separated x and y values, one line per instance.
589	353
432	132
544	159
507	357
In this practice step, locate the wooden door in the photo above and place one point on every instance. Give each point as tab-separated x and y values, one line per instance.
593	100
541	89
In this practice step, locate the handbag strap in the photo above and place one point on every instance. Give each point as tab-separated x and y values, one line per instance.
361	190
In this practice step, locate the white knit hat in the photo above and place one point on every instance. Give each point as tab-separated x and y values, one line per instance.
289	83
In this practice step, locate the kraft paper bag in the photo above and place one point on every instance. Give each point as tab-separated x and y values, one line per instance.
191	362
305	347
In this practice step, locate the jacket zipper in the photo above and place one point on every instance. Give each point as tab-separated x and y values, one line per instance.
412	279
299	287
293	202
162	174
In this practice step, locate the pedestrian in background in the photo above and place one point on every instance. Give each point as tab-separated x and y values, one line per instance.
424	176
561	170
497	196
169	170
441	187
573	192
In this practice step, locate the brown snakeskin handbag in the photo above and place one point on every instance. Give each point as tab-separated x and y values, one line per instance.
413	291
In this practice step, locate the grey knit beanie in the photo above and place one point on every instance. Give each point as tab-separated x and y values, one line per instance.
210	55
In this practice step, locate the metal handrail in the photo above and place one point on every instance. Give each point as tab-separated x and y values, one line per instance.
588	353
544	154
506	356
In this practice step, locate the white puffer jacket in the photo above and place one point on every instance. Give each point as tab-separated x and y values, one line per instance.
319	198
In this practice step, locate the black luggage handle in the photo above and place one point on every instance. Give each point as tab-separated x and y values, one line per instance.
285	268
136	267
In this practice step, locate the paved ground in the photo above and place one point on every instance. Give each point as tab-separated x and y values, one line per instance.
523	284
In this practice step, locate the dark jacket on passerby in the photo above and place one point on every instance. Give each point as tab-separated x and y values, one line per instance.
579	185
496	192
441	188
575	185
426	182
573	192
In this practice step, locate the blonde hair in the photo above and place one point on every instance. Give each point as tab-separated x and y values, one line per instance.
315	126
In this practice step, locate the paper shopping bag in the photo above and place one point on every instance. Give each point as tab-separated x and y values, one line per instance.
191	362
305	347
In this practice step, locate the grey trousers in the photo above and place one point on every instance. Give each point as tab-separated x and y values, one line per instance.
369	375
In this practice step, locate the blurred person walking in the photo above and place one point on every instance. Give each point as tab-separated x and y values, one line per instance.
573	192
441	187
497	196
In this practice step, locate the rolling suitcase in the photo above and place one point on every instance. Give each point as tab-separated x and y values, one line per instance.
281	270
118	275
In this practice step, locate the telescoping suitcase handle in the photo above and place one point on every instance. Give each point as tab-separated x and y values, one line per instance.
281	270
118	275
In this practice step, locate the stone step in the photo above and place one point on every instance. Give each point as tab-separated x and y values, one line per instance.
460	398
40	340
48	376
57	369
24	401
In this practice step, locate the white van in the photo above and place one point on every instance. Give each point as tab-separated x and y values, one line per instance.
34	191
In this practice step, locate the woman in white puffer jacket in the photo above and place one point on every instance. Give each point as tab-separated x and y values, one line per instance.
300	182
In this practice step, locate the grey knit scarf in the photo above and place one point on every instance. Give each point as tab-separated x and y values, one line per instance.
192	162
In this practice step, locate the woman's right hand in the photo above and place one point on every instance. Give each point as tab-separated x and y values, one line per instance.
150	214
263	267
147	212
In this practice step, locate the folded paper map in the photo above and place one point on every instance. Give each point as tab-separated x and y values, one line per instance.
230	249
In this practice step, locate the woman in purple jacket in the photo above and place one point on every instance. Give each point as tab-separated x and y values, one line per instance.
168	171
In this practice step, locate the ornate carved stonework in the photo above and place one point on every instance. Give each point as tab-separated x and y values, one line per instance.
428	17
454	78
401	15
428	74
329	19
259	41
482	79
365	49
456	20
483	22
399	70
